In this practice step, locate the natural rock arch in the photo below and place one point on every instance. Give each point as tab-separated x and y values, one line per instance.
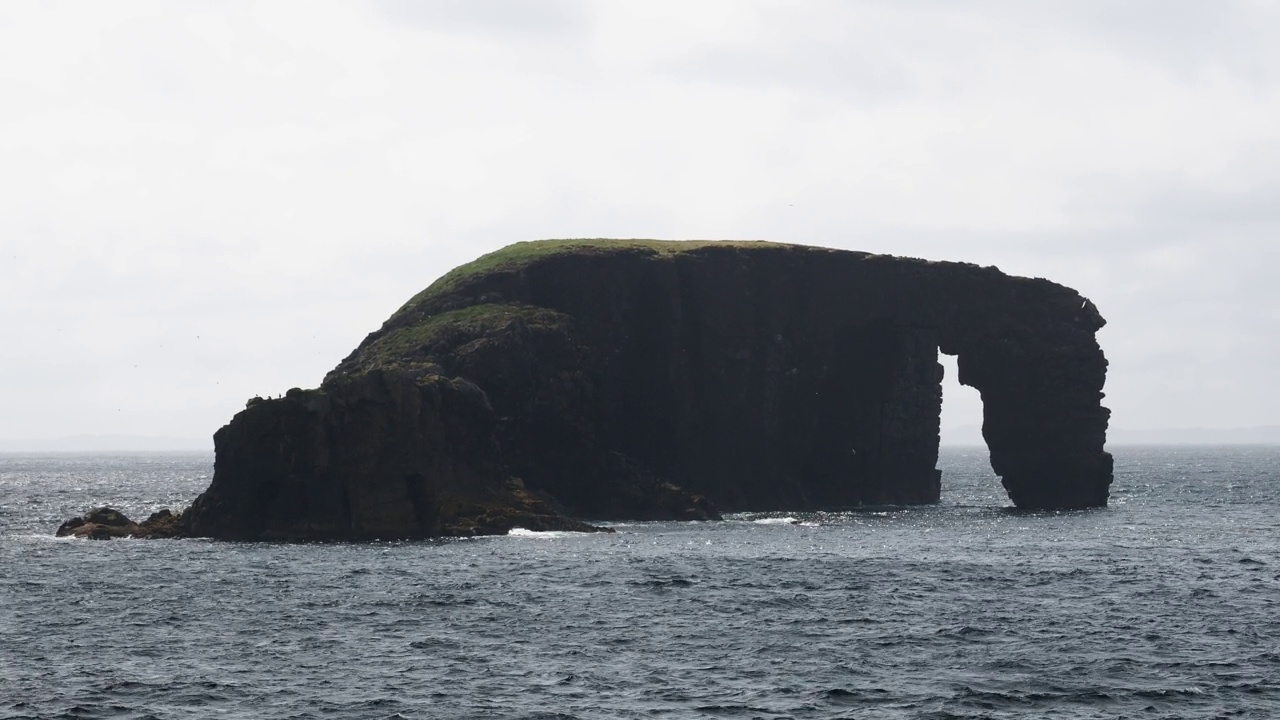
622	379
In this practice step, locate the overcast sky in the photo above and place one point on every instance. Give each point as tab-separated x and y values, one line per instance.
204	201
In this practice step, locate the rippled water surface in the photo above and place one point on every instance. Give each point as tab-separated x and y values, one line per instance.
1165	605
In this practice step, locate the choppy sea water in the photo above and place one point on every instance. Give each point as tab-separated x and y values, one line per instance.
1164	605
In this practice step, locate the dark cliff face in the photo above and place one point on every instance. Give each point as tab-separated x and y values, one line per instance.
627	379
381	455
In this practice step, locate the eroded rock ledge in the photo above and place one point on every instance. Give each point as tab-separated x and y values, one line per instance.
658	380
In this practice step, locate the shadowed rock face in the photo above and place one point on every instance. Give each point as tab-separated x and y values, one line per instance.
650	380
380	455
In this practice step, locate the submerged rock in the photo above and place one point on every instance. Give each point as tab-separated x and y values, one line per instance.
665	380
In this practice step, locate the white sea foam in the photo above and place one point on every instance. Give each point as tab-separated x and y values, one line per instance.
788	520
46	537
547	535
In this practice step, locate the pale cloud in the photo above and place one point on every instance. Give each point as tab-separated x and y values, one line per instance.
228	196
544	20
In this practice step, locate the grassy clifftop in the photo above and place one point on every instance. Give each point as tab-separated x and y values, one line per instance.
512	257
450	312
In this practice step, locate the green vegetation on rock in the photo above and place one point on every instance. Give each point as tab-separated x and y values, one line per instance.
414	346
513	257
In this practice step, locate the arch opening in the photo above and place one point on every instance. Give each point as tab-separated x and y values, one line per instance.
963	458
961	423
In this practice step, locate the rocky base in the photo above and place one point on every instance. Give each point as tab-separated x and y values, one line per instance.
520	510
106	523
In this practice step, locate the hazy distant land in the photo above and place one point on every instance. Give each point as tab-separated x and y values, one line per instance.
106	443
1256	435
958	435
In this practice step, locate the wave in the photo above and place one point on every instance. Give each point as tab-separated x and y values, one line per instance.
544	534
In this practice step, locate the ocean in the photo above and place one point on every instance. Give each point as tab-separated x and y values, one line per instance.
1164	605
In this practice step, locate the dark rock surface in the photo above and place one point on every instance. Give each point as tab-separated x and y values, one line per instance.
649	380
105	523
384	454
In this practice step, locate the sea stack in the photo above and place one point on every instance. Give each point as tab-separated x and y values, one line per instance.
562	380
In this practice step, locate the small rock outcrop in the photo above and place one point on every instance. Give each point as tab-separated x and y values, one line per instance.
105	523
609	380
